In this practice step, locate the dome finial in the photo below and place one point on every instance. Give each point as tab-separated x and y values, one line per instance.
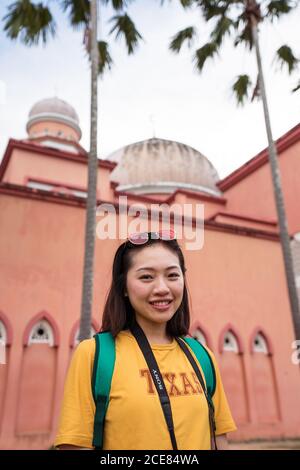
152	120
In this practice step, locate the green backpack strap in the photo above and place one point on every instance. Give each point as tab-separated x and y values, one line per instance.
104	362
206	364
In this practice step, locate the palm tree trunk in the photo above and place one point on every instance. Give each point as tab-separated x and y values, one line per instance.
282	220
88	270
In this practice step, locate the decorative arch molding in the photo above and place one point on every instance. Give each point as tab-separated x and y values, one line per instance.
198	326
230	328
75	327
43	315
258	330
9	332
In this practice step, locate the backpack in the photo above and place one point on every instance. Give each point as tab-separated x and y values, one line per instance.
104	362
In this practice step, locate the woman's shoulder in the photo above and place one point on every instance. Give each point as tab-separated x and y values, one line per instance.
85	349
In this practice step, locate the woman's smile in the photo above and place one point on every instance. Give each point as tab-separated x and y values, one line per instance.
161	305
155	285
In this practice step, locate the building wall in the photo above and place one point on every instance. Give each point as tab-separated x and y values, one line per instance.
259	203
236	284
24	165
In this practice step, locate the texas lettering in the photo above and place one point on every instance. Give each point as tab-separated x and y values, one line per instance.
176	384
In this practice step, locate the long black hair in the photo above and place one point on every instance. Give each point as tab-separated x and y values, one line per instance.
118	313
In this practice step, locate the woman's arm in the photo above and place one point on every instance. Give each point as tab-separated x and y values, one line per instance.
222	442
75	430
70	447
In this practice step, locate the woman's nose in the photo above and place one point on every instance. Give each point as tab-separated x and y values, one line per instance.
161	286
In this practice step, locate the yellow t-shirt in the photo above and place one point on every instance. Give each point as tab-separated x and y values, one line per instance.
134	418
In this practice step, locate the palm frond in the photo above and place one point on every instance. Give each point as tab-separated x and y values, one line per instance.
241	88
29	22
277	8
177	41
297	87
222	28
245	37
78	11
184	3
116	4
205	52
125	26
212	9
286	57
187	3
105	60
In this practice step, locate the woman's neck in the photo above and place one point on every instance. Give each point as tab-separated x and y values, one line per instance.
155	333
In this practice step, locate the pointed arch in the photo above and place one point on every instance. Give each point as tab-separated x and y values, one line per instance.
43	315
229	328
8	329
233	371
260	331
75	328
38	376
197	326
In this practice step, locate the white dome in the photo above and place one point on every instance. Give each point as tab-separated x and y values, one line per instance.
54	109
159	165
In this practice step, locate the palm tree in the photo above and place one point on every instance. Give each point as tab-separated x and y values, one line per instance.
241	18
33	23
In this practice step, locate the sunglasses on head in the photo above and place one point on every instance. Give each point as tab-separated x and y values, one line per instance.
143	237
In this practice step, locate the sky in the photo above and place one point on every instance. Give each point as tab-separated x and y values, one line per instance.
153	92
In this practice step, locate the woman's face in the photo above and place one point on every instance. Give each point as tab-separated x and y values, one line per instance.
155	284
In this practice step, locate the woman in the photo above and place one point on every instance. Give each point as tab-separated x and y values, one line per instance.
147	303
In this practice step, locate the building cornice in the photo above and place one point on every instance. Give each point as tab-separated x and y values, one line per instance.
71	200
283	143
170	198
49	152
244	218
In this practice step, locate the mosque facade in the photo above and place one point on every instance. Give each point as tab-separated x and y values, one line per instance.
239	300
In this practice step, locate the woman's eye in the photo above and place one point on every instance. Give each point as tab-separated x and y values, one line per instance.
147	276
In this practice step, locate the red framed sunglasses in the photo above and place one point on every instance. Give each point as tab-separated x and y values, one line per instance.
143	237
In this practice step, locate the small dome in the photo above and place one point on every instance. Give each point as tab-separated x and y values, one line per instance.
54	110
161	166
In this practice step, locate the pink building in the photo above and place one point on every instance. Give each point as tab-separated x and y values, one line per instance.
240	306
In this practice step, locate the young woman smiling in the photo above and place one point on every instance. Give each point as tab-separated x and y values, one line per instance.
147	315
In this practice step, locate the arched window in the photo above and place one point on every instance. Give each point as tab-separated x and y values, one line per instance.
41	333
199	336
260	344
230	342
3	341
76	338
3	334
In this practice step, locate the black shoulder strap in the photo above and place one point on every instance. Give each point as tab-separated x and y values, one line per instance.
157	379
